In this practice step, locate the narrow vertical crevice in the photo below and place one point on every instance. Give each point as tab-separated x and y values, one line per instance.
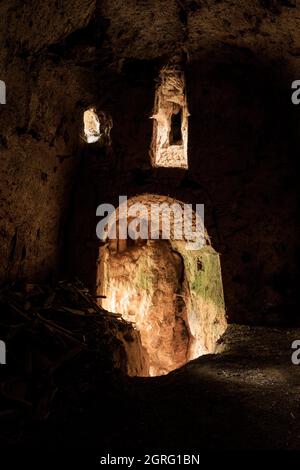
175	137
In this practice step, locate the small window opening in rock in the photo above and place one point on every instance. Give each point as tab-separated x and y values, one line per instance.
170	120
97	127
175	132
91	126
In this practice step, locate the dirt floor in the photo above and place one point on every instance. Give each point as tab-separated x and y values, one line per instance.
246	397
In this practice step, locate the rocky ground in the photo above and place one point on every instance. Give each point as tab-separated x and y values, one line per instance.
245	397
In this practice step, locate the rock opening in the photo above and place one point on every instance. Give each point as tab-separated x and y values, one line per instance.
173	295
170	117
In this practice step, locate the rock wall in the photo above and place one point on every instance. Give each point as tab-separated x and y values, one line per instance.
174	297
59	58
144	285
39	133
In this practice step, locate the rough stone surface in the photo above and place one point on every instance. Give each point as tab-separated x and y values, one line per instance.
244	398
173	294
243	134
170	102
144	285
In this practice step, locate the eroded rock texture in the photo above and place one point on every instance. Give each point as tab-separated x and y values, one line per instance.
170	288
173	297
59	58
144	285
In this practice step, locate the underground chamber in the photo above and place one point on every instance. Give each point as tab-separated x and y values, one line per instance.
173	296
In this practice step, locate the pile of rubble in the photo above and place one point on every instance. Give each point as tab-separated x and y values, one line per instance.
61	345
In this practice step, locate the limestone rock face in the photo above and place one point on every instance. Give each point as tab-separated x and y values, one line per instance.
60	57
143	286
174	310
170	142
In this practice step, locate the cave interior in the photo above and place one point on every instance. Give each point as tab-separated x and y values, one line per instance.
183	104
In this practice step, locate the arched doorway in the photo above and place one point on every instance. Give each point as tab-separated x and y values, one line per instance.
172	294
